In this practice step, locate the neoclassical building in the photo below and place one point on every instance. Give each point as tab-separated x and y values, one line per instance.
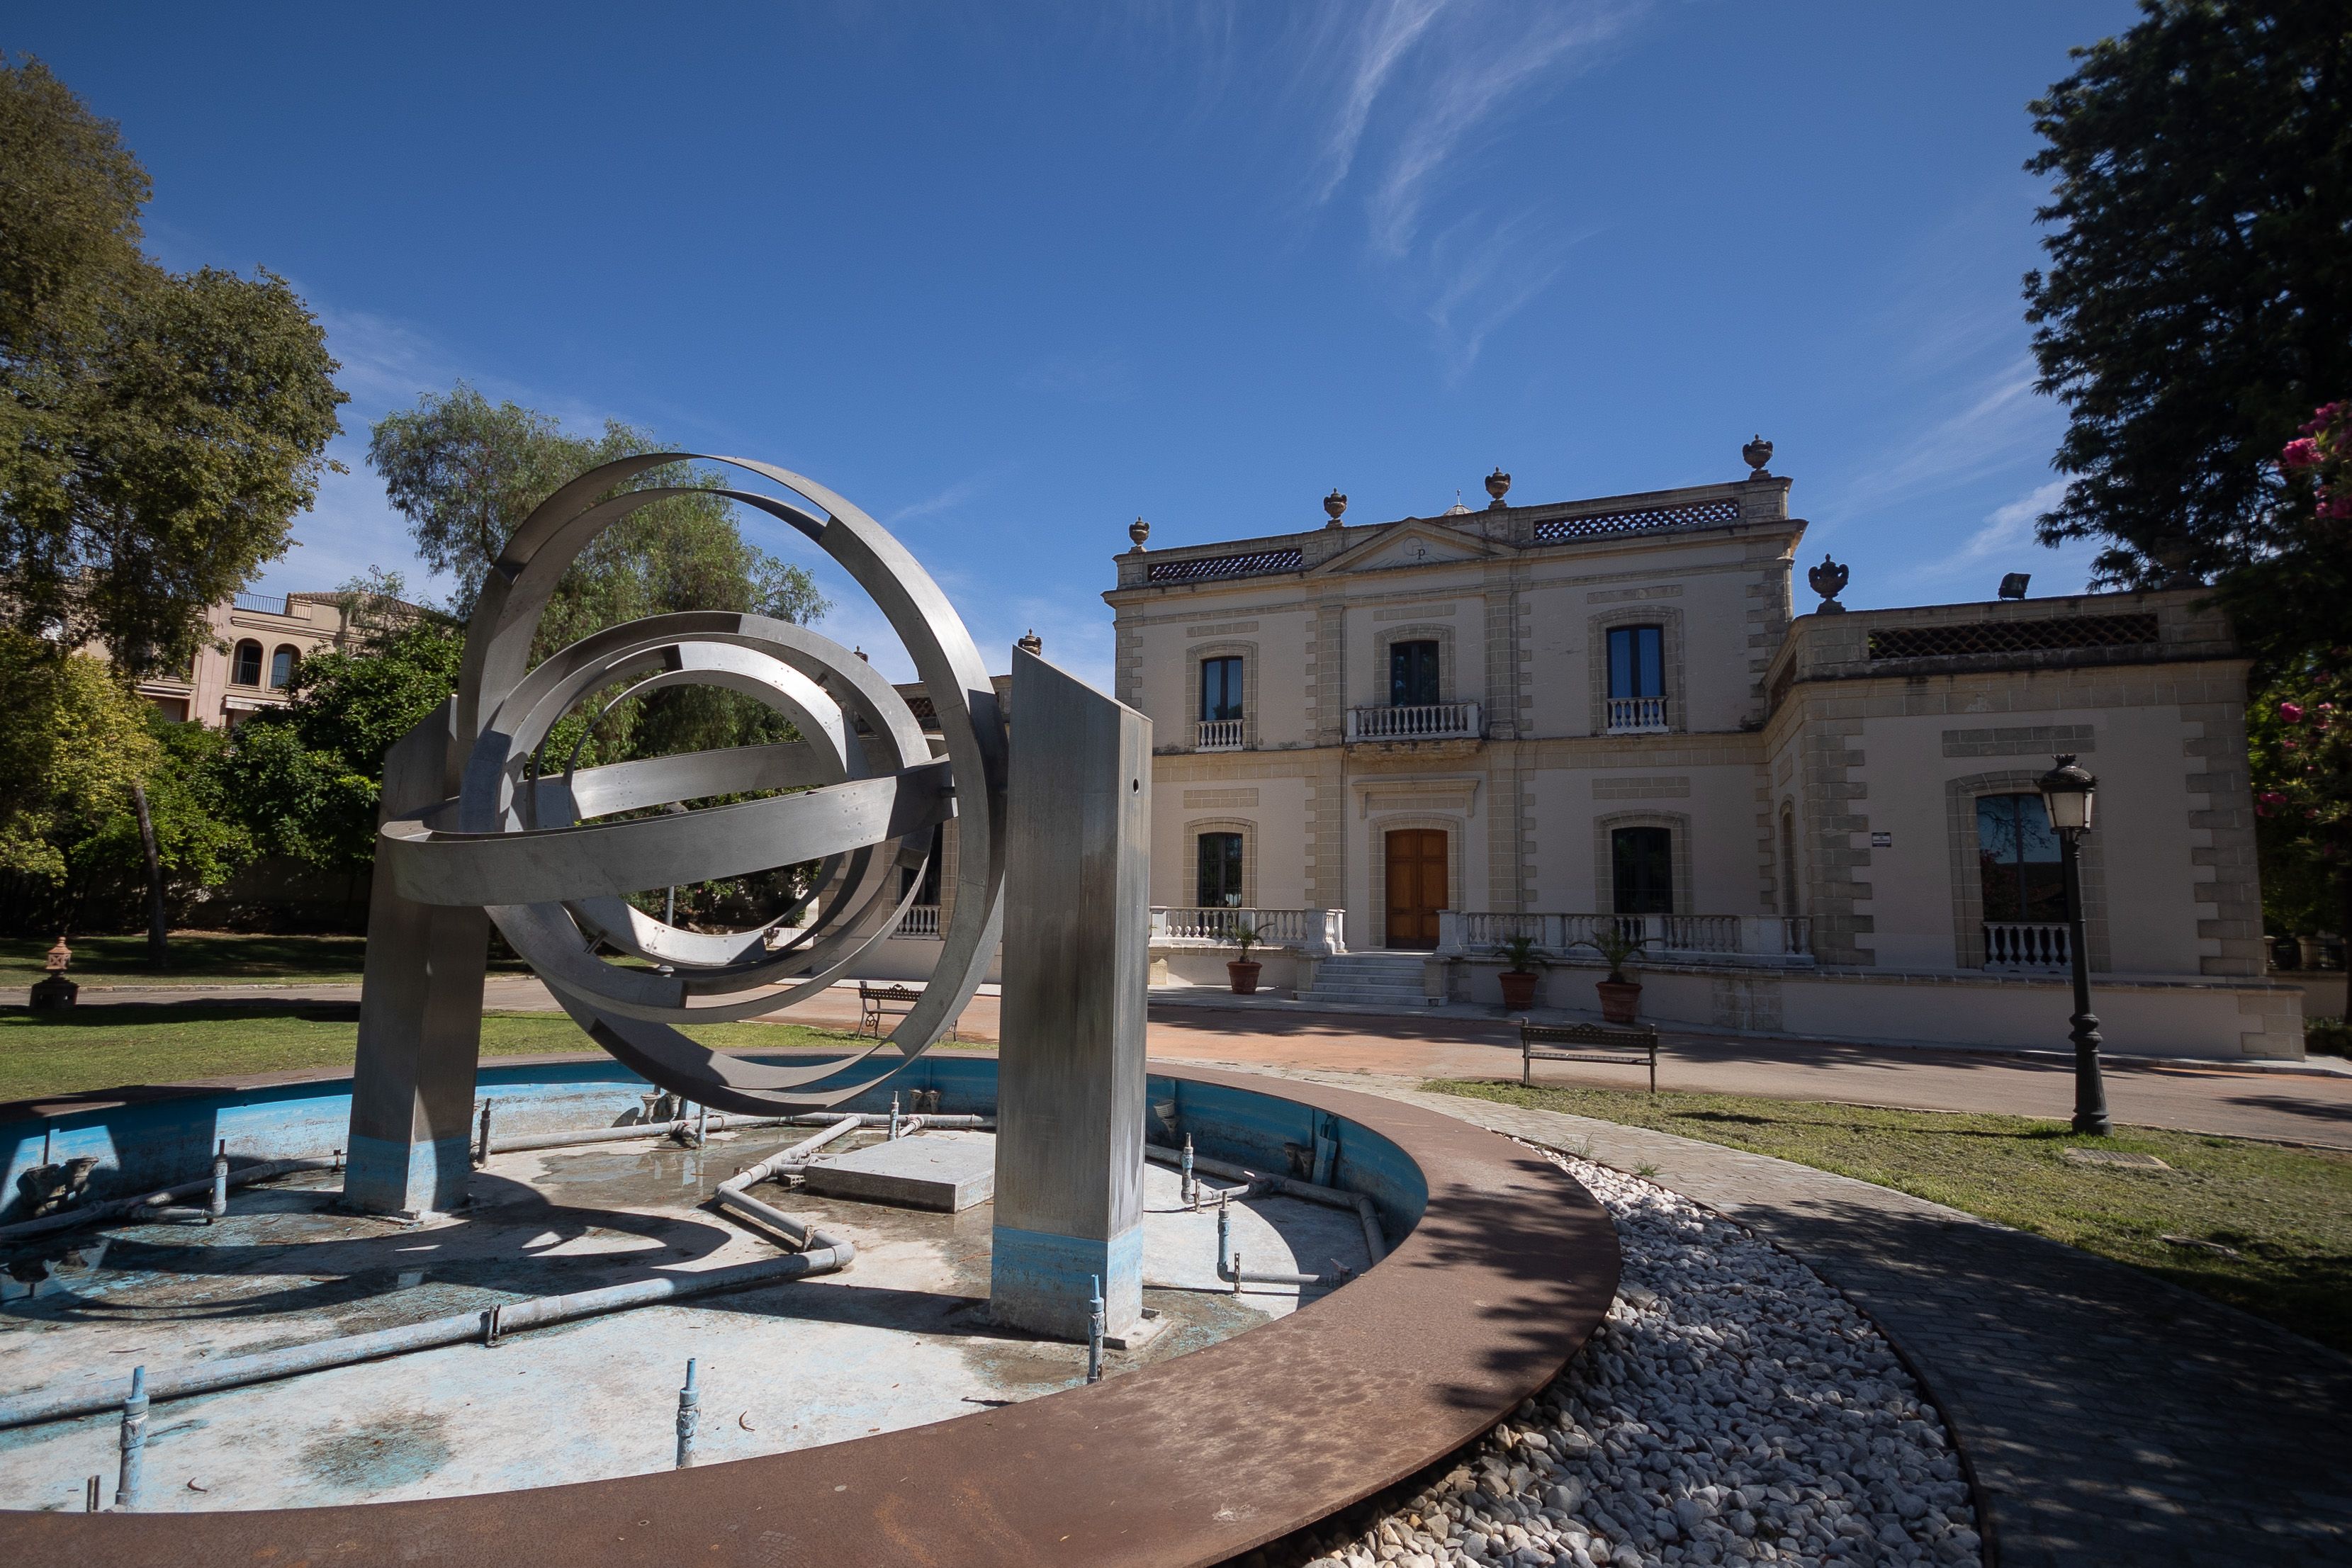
1390	744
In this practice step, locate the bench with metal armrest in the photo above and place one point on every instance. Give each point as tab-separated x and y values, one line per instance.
876	1003
1586	1042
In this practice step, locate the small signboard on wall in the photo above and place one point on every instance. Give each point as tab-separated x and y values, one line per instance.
1882	840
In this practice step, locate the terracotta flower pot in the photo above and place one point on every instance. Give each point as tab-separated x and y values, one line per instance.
1518	990
1245	973
1621	1000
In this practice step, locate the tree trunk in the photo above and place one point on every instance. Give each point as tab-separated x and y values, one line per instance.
159	935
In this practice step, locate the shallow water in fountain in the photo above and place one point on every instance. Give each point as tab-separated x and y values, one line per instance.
900	1339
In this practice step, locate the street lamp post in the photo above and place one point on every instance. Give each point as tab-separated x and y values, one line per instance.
2066	793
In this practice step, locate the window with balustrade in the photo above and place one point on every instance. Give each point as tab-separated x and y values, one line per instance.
244	664
1414	674
1219	864
1221	717
1637	679
2017	860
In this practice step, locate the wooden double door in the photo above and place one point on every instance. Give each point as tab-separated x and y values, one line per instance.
1416	886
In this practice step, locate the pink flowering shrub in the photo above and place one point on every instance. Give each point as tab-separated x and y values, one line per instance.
2323	450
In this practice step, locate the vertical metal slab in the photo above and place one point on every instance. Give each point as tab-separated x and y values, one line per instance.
1069	1109
420	1015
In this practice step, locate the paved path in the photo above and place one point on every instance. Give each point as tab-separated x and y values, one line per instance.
2314	1107
2111	1418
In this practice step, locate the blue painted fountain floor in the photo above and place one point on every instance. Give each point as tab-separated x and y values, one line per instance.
900	1339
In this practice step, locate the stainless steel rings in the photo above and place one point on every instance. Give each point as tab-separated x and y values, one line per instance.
522	837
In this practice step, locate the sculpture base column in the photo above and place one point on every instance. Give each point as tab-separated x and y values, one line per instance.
1069	1108
420	1019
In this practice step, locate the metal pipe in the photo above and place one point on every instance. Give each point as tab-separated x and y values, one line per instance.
89	1496
127	1485
1190	1188
720	1122
1375	1244
482	1145
268	1366
1094	1329
220	1182
701	1125
71	1218
894	1113
734	1197
689	1416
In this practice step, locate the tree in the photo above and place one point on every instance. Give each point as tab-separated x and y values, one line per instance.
307	779
2198	302
466	473
71	740
158	431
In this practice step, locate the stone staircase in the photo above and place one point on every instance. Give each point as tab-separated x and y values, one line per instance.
1369	979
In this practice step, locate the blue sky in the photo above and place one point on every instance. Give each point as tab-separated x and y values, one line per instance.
1009	276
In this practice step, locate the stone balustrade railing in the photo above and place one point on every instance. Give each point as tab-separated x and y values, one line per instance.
919	920
1316	931
1760	938
1425	721
2027	945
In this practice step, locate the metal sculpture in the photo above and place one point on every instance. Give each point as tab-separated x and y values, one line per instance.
539	844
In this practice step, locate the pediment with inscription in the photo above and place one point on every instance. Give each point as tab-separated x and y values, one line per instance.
1407	545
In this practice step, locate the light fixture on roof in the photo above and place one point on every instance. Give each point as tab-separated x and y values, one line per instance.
2013	586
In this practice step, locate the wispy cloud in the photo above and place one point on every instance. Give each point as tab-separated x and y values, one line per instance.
2005	541
2001	423
948	500
1424	86
1102	376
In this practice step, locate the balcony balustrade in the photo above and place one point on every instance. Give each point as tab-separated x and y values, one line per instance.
1218	735
1759	938
919	920
1637	716
1317	931
2036	945
1425	721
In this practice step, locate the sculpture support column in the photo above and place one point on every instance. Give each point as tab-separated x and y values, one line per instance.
1070	1098
420	1015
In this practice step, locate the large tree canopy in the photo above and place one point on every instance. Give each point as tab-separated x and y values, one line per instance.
158	431
466	472
2198	303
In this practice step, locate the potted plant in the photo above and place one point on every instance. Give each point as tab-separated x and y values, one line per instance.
1621	998
1523	958
1243	971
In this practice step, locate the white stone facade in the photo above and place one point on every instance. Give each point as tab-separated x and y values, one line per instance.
1791	799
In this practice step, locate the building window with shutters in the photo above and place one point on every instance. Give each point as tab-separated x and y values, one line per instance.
1637	680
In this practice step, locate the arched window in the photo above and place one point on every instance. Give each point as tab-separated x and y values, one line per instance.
245	667
281	667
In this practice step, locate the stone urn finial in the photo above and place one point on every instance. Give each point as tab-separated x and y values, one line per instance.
1031	643
1334	503
1138	530
1758	453
1829	581
1498	484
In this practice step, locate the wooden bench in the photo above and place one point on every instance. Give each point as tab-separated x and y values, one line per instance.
876	1003
1586	1042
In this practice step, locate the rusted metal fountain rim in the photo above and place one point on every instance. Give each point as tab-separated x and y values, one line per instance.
1188	1461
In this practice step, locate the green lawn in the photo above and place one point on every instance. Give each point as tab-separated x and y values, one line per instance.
2287	1212
197	957
100	1047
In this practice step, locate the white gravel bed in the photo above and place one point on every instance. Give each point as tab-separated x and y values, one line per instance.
1733	1409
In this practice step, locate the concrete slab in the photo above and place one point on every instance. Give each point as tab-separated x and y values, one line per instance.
900	1339
942	1172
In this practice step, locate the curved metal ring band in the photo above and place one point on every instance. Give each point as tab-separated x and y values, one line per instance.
555	880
